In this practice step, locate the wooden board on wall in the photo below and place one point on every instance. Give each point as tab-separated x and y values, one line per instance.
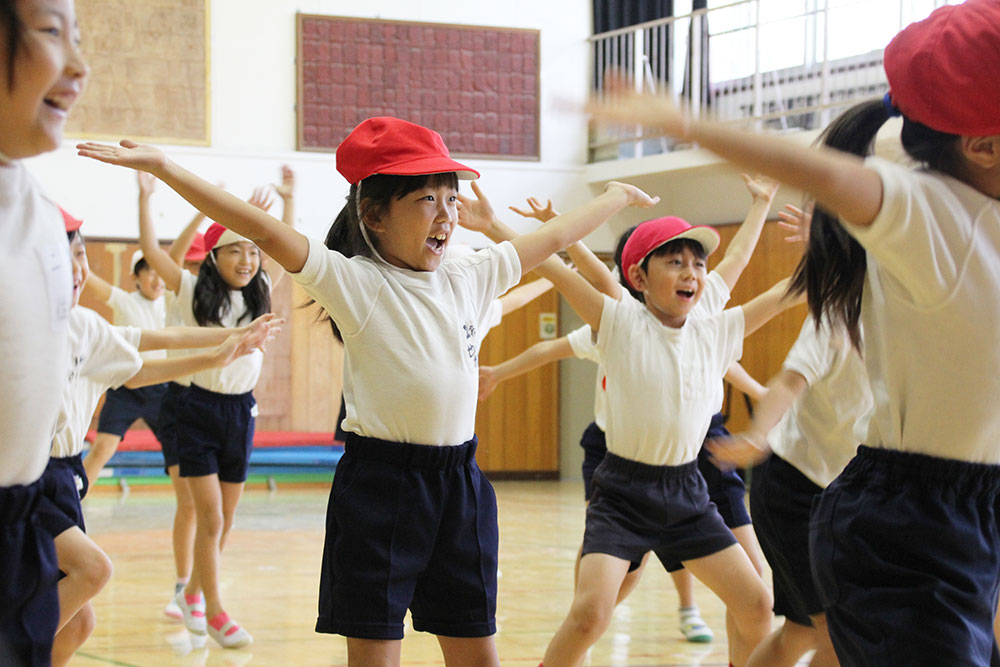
476	86
149	69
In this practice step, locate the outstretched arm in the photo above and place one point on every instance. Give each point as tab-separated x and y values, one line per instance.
741	247
179	338
840	182
285	190
178	249
157	258
155	371
759	310
288	247
522	295
98	288
739	378
750	447
534	357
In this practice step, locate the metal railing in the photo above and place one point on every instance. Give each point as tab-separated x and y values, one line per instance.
775	64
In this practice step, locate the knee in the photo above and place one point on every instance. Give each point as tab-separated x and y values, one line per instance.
210	520
756	609
79	628
590	620
96	572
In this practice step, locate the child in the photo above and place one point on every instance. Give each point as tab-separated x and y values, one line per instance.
422	512
905	541
104	356
41	74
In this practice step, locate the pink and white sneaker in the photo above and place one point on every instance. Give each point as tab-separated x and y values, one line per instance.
173	611
228	632
193	611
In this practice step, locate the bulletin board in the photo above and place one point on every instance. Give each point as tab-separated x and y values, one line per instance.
476	86
149	71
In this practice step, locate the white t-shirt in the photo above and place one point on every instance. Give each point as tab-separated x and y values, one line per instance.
713	299
37	278
242	374
663	383
819	434
411	338
103	357
931	316
132	309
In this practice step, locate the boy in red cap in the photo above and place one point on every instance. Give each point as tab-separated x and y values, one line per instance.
411	521
906	542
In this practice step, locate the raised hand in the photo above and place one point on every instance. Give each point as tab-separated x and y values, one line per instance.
488	381
261	198
538	212
147	183
621	104
475	214
126	154
286	188
797	222
761	188
636	197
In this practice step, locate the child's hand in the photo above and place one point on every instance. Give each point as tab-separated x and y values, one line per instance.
126	154
741	450
261	198
635	196
537	211
147	183
761	188
475	214
488	381
254	336
287	187
796	222
621	104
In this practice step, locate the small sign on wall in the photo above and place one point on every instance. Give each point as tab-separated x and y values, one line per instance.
548	326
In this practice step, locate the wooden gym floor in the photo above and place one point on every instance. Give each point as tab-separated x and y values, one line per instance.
270	574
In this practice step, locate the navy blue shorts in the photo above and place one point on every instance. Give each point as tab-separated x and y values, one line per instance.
215	434
123	406
638	508
781	498
725	487
167	423
594	446
906	556
409	526
64	484
29	602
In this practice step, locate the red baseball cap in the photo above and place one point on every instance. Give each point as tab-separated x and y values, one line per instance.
218	236
386	145
651	234
72	224
196	251
942	71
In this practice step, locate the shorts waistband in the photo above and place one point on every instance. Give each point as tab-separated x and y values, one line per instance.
71	461
892	466
208	393
19	502
409	455
646	472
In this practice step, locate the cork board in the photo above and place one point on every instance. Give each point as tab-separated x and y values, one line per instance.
149	69
476	86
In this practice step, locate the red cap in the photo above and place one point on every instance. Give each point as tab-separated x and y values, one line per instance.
942	71
218	236
386	145
196	252
72	224
651	234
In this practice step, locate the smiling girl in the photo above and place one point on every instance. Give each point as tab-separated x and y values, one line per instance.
41	74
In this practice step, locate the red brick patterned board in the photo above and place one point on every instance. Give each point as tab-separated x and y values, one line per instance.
476	86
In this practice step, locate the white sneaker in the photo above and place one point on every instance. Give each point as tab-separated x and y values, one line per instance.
230	635
173	611
695	629
193	614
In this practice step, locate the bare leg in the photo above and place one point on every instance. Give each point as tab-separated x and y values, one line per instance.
207	496
373	652
469	651
731	576
184	524
601	579
784	647
73	635
825	655
87	570
684	583
104	447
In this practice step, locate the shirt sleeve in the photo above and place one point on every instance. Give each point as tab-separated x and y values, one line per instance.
112	361
922	235
491	271
131	334
116	298
714	297
582	342
812	354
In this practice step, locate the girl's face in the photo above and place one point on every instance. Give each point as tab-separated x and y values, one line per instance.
149	284
414	231
672	285
49	75
238	263
81	267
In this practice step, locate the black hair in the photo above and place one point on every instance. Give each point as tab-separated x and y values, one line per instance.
211	295
674	247
377	193
832	270
619	249
74	235
13	27
141	265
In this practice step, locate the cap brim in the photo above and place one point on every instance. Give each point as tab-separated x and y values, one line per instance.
430	165
706	236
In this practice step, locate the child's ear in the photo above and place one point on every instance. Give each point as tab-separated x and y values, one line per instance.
637	277
984	152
